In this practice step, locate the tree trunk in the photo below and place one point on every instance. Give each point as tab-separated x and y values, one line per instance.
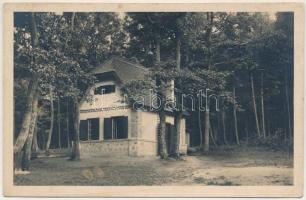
288	108
162	136
216	130
177	124
25	130
59	122
51	122
200	128
26	159
210	17
42	140
67	117
262	108
212	136
35	147
206	132
75	153
33	86
254	106
285	116
162	115
224	125
235	117
178	52
268	127
67	121
72	20
178	113
246	131
157	51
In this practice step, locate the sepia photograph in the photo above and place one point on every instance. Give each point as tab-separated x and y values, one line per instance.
154	98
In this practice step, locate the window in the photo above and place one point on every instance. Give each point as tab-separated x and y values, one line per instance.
89	129
105	89
115	128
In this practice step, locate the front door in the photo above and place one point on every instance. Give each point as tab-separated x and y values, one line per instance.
169	137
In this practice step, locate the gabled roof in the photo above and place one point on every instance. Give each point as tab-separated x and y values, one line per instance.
124	69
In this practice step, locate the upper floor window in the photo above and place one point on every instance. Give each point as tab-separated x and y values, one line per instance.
105	89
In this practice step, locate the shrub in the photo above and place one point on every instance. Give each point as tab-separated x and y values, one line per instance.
274	142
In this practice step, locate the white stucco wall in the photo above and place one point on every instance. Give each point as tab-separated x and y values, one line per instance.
149	124
105	106
142	126
105	101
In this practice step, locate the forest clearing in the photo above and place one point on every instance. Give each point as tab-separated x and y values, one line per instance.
231	166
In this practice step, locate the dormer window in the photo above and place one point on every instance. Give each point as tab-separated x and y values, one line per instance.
105	89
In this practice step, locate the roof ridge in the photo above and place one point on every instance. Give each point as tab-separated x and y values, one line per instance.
131	63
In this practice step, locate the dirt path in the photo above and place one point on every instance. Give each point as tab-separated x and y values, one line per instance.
230	167
194	171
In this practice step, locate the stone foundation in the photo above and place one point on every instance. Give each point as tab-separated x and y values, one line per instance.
122	147
112	147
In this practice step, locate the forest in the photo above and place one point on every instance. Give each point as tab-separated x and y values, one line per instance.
243	59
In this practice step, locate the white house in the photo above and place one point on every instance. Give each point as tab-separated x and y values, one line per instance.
110	126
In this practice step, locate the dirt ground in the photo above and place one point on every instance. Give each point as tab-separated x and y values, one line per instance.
226	166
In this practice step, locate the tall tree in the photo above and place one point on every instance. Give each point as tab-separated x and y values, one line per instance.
263	127
235	116
30	109
28	145
67	124
162	115
284	25
146	29
178	113
255	106
59	122
51	121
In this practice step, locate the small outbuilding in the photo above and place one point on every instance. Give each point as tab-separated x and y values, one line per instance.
111	126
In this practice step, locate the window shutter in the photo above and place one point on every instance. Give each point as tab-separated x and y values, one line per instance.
83	130
108	129
125	127
94	129
121	127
